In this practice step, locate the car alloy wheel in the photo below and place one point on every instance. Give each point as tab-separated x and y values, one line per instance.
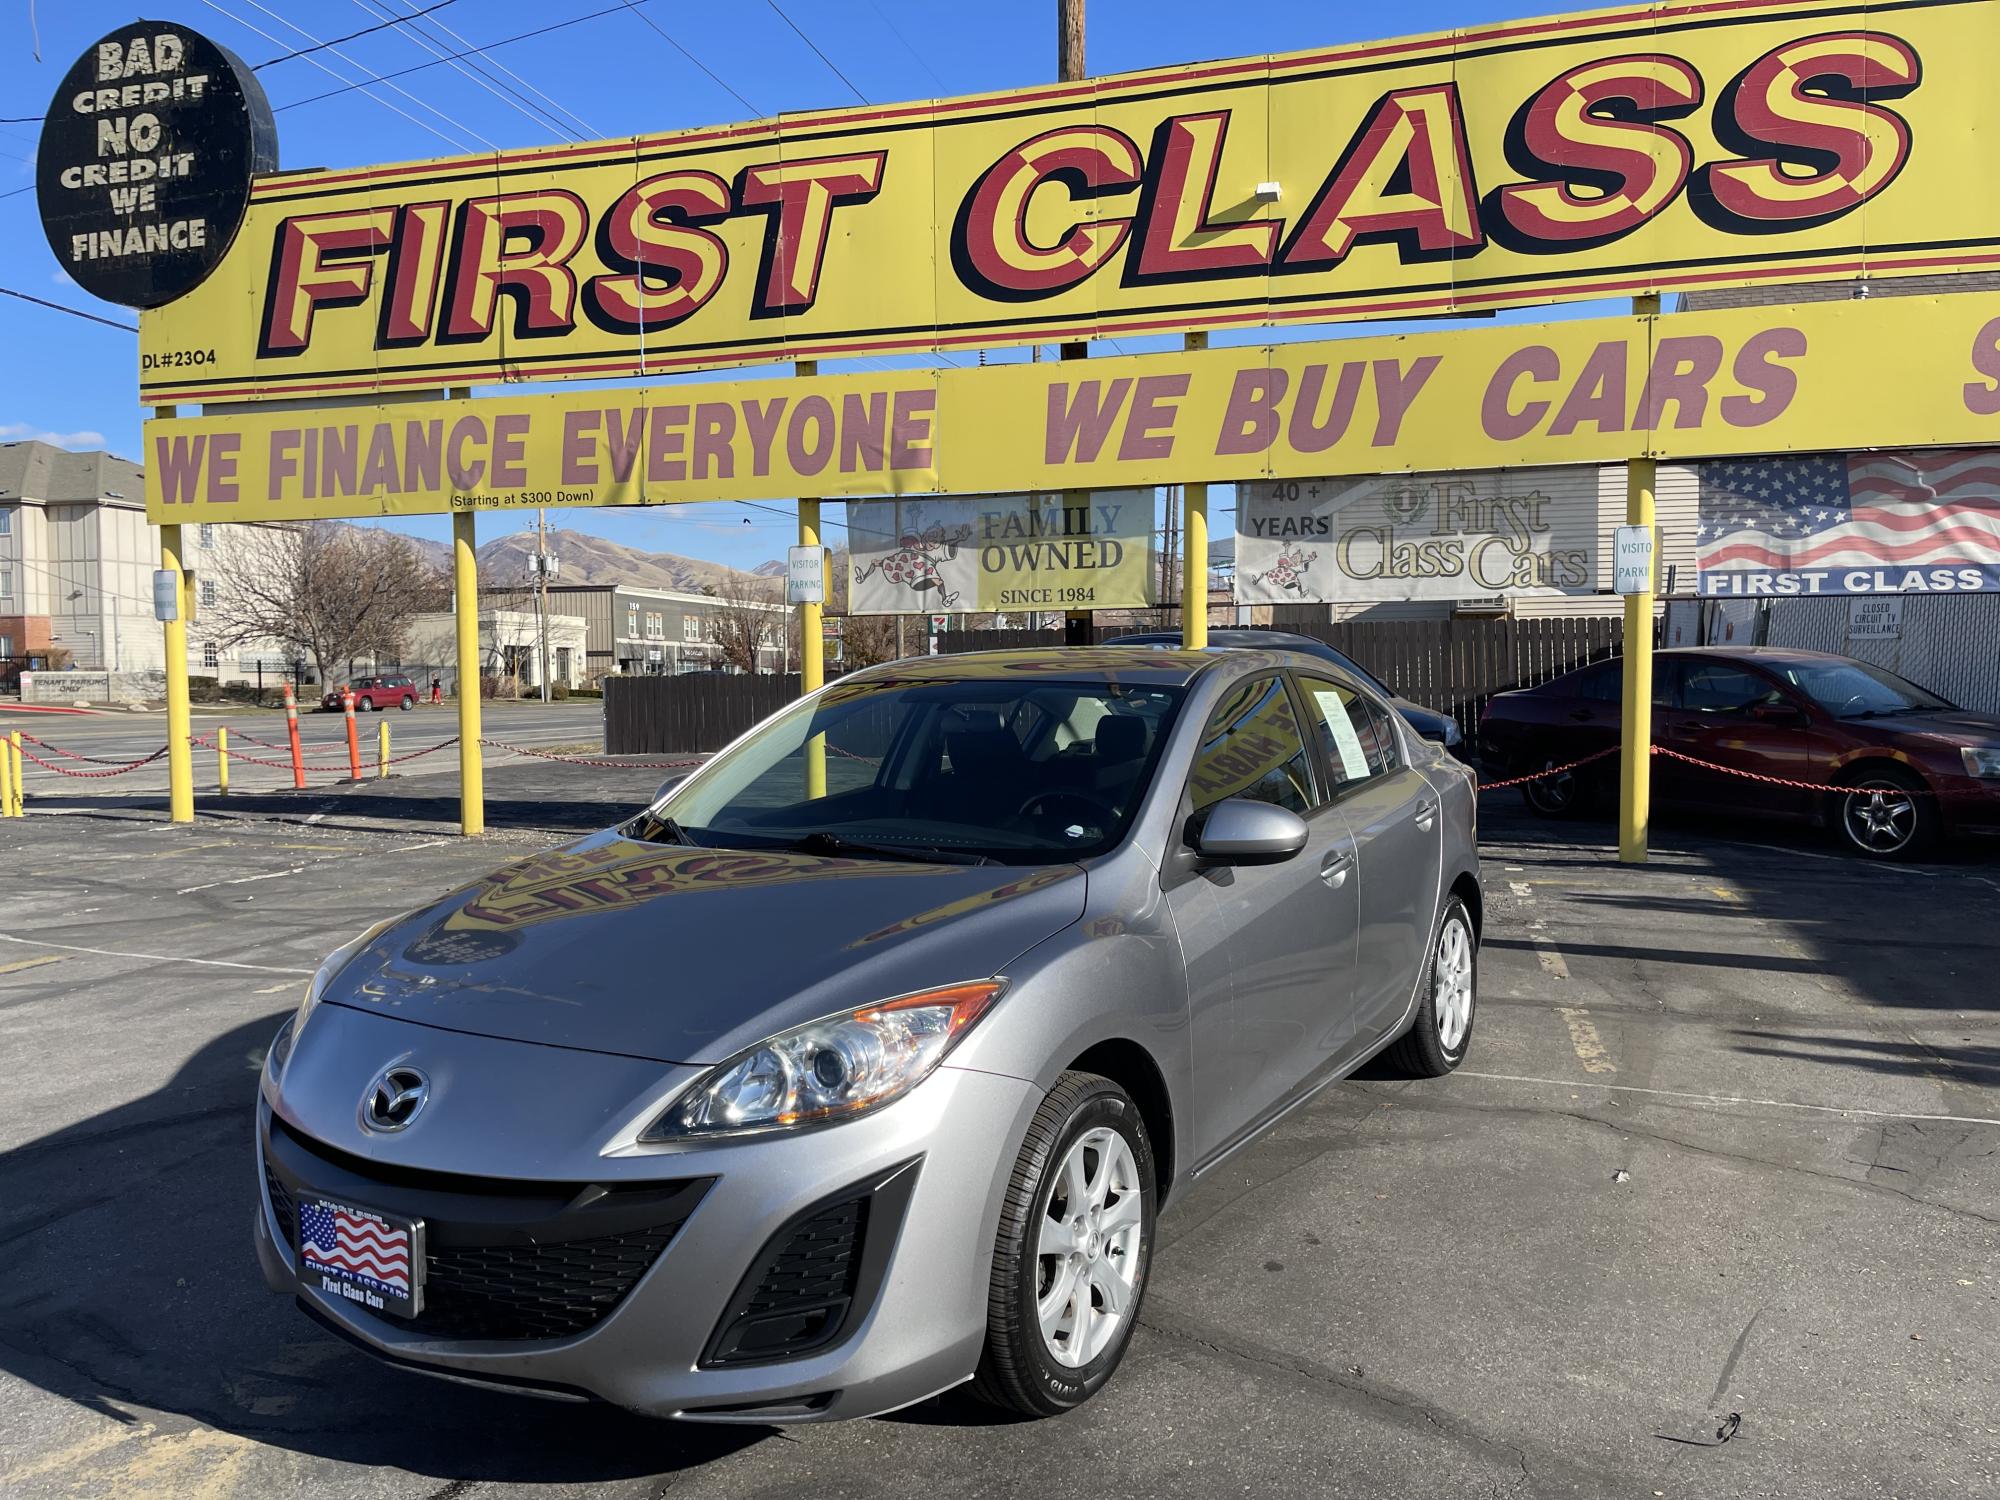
1440	1031
1451	983
1883	815
1553	796
1089	1249
1071	1254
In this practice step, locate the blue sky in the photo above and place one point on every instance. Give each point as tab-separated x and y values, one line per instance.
73	381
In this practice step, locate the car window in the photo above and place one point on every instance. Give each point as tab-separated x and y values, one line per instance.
1253	747
1857	690
946	769
1357	740
1605	682
1716	687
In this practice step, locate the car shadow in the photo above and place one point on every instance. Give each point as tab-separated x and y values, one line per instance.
132	1290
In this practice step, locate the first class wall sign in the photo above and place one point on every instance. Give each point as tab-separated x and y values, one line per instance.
1636	150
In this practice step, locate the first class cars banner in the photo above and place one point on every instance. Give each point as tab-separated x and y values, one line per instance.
1620	152
1902	372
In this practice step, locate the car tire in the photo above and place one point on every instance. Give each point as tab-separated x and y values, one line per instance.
1561	796
407	704
1042	1368
1885	812
1448	1003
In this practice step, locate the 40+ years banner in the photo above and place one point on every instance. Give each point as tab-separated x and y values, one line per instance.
1645	148
1386	537
1082	549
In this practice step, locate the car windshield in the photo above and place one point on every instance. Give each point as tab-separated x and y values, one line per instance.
954	772
1855	690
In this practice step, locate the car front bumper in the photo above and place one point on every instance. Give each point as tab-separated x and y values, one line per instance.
734	1221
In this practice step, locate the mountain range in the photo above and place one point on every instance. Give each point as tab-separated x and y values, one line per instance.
584	558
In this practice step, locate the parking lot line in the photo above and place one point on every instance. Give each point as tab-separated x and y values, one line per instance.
152	958
1824	1109
30	963
1585	1040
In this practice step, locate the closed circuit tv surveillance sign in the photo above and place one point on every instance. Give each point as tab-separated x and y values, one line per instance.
146	157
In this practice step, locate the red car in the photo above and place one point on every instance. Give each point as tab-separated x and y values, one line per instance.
1889	765
376	693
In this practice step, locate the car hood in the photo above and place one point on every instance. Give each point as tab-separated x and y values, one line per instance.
1959	726
688	955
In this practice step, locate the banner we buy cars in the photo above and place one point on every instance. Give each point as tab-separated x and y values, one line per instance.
1623	151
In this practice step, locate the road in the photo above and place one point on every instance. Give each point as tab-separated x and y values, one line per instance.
1723	1159
122	737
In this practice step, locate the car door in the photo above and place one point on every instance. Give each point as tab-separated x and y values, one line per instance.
1729	714
1393	813
1270	949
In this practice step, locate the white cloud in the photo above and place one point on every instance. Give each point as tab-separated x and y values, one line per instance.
15	432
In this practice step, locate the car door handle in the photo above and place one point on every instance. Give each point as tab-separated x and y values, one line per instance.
1333	869
1427	812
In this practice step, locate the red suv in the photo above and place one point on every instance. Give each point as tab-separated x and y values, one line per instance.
376	693
1887	764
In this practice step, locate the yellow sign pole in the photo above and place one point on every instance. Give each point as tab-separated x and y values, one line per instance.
382	749
812	649
6	781
1194	553
19	769
180	750
1635	767
465	611
222	760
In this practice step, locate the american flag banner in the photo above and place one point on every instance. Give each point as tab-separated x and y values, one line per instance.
358	1245
1922	521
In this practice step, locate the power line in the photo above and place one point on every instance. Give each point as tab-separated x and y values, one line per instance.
817	53
74	312
714	77
896	31
540	118
588	128
364	31
505	41
455	143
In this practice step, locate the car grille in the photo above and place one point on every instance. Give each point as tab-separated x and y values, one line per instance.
818	1264
806	1288
515	1291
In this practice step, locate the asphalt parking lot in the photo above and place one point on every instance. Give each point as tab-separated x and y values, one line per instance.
1725	1159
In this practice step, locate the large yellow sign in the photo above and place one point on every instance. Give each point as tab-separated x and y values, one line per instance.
1654	147
1888	372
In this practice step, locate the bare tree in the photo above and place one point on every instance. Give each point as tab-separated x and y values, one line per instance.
330	592
747	618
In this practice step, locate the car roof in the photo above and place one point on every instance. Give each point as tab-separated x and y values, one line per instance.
1053	663
1758	653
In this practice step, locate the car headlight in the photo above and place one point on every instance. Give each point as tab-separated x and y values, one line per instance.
332	964
827	1070
1981	760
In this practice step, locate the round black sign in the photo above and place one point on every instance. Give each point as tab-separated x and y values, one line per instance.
146	159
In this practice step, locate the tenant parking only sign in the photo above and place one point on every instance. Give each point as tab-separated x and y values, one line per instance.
1634	150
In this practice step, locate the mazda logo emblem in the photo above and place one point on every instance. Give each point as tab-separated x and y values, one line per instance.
395	1099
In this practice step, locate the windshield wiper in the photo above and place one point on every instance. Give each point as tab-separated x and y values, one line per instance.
658	830
821	842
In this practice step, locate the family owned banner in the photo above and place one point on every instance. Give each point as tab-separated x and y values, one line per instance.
1521	532
1080	549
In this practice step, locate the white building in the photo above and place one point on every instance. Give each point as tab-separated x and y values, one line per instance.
509	650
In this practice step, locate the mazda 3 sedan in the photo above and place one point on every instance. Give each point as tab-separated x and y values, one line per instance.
862	1063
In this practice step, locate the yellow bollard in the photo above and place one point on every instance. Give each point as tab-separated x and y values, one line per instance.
19	768
6	784
221	760
382	749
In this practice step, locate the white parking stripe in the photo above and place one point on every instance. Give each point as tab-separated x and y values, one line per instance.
1627	1088
153	958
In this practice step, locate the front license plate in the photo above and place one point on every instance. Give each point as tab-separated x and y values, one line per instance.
375	1260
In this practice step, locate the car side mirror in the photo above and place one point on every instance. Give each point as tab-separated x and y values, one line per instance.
1778	713
668	785
1242	832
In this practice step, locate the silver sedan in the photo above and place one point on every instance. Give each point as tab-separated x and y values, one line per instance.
862	1063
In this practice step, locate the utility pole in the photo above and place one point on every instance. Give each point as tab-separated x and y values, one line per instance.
542	593
1070	69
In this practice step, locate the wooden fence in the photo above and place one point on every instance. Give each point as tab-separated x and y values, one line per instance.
1453	666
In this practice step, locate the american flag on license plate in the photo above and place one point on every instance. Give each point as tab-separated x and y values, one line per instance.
1885	514
357	1244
